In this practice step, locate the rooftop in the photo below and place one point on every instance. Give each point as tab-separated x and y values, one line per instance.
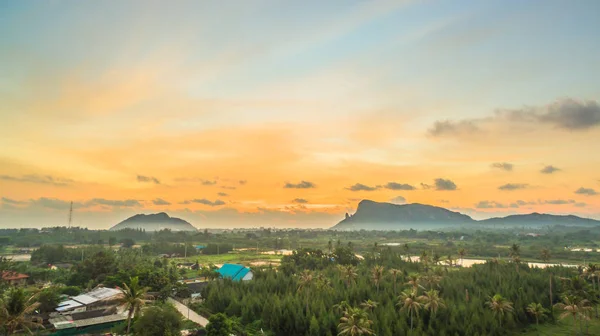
10	275
233	271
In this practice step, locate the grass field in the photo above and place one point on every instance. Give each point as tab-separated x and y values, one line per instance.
564	327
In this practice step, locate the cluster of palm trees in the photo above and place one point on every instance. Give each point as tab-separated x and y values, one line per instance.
17	312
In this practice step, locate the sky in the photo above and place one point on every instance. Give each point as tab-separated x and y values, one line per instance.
287	114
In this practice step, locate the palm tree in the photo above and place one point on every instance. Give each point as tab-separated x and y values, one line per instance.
330	246
424	258
16	311
349	273
132	298
431	279
409	303
571	307
436	258
432	301
323	283
414	280
517	260
545	255
449	261
394	272
355	322
514	250
406	251
592	272
377	275
537	310
369	305
304	283
500	306
461	254
342	307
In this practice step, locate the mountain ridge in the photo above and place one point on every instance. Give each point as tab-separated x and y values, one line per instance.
371	215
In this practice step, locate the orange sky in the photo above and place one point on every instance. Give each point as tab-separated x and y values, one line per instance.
210	122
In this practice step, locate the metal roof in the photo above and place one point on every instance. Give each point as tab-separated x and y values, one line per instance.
233	271
96	295
68	305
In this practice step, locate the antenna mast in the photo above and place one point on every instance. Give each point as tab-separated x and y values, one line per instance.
70	214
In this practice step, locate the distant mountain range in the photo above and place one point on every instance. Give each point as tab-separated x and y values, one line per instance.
372	215
154	222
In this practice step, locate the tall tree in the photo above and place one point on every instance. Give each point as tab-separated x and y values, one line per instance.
461	254
545	255
305	281
432	301
368	305
348	274
355	322
377	276
16	312
409	303
132	299
573	307
500	306
414	280
536	310
394	272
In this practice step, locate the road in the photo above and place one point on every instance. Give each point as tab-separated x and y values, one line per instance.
183	309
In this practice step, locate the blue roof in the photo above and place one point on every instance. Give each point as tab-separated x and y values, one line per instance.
233	271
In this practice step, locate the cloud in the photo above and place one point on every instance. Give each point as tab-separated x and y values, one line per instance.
51	203
206	202
444	184
398	186
228	187
222	194
299	201
586	191
38	179
566	114
492	205
147	179
12	201
160	201
447	127
581	204
522	203
549	170
301	185
361	187
558	202
513	186
114	203
503	165
426	186
242	182
398	200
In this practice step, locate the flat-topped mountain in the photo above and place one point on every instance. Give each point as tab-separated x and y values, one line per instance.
372	215
154	222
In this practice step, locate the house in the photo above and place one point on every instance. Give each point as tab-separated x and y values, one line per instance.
86	320
98	299
236	272
14	278
187	265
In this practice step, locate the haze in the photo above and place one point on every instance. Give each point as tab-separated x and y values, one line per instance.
286	114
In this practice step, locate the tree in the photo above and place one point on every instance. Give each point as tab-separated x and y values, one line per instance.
461	254
219	325
514	250
545	255
394	272
349	274
330	246
127	242
16	312
414	280
432	301
304	283
500	306
158	320
368	305
377	275
132	299
355	322
574	308
409	303
48	299
112	241
536	310
313	328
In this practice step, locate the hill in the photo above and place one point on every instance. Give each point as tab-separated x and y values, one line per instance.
372	215
154	222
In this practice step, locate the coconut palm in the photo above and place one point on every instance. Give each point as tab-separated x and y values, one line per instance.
349	274
330	246
431	279
409	303
450	260
394	272
514	250
461	254
432	301
355	322
591	272
132	299
406	251
500	306
436	258
574	308
414	280
305	281
377	275
424	258
545	255
537	310
369	305
342	307
16	312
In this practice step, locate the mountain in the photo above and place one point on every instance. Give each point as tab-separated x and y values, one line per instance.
372	215
154	222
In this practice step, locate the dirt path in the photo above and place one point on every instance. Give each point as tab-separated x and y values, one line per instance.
188	313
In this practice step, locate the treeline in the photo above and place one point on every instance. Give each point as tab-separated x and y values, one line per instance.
305	302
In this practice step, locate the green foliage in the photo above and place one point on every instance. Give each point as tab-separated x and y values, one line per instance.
48	299
217	248
127	242
161	319
219	325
